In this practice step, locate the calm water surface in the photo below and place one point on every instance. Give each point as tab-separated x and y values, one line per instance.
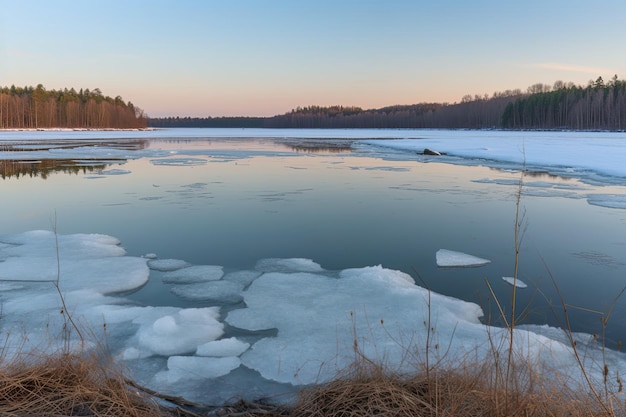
232	202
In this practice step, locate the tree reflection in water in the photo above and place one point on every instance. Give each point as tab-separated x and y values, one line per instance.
42	166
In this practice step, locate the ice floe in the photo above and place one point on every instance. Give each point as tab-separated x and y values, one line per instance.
167	264
298	323
194	274
228	292
449	259
196	367
608	200
516	282
224	347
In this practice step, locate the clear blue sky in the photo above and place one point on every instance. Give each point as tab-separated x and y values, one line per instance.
265	57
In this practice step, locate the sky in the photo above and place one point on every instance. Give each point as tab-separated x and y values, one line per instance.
260	58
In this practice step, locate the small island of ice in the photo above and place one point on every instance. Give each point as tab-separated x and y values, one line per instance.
516	282
449	259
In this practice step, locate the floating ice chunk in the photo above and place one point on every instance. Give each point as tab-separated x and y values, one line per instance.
381	308
130	353
196	367
222	348
516	282
608	200
43	243
114	172
165	326
388	276
106	275
288	265
448	258
220	291
181	333
244	278
150	256
86	261
192	274
167	264
179	161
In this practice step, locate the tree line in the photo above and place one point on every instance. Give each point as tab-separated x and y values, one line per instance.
37	108
596	106
233	122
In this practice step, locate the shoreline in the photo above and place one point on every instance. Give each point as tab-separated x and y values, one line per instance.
78	129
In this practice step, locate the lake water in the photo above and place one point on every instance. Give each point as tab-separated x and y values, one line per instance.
233	201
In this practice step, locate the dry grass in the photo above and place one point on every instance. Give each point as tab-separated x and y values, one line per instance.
69	384
78	385
81	384
367	390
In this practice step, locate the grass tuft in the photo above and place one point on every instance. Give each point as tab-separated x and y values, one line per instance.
69	384
467	390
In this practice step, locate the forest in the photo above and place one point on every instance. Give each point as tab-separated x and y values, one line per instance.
599	105
562	106
38	108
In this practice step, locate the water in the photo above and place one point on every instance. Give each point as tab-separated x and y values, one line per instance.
233	201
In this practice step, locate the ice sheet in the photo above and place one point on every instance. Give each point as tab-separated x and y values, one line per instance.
317	318
591	156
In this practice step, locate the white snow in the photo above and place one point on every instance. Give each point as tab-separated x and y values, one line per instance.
448	258
516	282
586	155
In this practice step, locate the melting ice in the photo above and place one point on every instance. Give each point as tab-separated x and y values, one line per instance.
296	326
285	322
